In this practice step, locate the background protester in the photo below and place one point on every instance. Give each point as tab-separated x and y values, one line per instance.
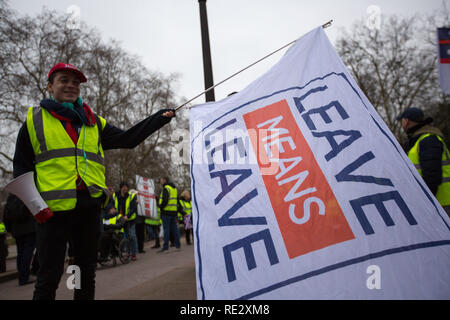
153	227
168	205
140	226
427	150
20	223
125	203
186	210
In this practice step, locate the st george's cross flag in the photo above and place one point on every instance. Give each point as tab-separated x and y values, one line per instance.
300	191
444	58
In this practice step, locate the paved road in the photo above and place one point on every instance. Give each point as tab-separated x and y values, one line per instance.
154	276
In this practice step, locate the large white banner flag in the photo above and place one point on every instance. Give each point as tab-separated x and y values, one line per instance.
146	197
300	191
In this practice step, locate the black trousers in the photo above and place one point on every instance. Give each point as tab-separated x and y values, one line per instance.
81	226
25	250
140	236
3	252
156	230
105	243
188	235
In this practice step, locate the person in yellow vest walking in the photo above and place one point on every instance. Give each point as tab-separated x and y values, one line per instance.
125	203
153	228
186	211
168	204
63	142
22	227
428	152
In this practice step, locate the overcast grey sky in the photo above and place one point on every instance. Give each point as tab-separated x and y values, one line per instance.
166	33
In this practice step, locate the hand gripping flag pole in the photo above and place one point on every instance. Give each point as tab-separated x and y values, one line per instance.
326	25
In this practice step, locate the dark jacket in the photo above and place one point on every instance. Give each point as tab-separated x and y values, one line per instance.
165	200
121	201
111	136
105	214
430	153
18	219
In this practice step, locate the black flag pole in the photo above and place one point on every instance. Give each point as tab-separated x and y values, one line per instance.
206	49
326	25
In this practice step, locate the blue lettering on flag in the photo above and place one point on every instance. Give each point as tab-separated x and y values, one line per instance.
377	200
227	187
345	175
226	219
246	244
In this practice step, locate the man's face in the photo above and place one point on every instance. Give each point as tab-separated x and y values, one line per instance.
162	181
404	123
65	87
124	189
407	123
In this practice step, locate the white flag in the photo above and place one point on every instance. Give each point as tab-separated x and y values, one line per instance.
300	191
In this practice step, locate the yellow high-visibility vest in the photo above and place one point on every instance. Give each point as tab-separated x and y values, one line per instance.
154	222
172	203
113	221
187	207
443	192
127	205
58	161
2	228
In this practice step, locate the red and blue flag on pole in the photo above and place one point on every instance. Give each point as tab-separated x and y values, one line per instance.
444	58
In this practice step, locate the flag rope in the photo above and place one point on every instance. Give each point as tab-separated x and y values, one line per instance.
326	25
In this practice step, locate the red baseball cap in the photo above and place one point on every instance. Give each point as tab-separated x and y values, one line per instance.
66	66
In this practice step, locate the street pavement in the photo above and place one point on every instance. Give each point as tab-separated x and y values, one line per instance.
154	276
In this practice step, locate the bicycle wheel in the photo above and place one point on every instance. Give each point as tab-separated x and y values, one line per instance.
124	251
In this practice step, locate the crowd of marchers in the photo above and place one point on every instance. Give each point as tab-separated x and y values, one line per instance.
120	222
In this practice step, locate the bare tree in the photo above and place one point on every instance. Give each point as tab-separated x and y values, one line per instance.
119	88
394	65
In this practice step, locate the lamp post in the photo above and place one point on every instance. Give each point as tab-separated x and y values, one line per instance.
207	65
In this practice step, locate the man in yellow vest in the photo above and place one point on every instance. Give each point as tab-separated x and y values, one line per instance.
168	204
153	228
125	203
63	142
428	152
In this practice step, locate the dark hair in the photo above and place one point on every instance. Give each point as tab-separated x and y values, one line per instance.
166	178
123	183
52	77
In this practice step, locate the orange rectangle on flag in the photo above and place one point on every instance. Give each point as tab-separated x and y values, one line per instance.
308	214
